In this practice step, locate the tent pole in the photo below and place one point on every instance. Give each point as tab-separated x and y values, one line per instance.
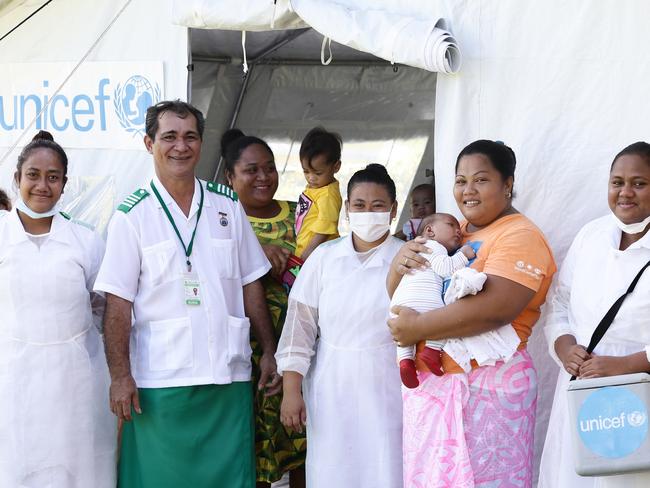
242	90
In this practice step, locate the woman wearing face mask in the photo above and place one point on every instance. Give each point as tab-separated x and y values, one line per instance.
55	426
603	260
335	337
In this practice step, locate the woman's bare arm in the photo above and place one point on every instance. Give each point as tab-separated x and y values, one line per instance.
406	259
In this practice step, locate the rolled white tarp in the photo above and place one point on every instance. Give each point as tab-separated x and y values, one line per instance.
420	42
242	15
366	25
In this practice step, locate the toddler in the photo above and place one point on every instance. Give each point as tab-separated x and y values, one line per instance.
319	206
422	204
422	290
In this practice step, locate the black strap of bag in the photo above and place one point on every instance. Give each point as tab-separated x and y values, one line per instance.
611	314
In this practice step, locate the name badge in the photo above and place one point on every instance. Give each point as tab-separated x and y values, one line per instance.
192	287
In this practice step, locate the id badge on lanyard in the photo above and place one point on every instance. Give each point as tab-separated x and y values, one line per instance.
192	289
191	283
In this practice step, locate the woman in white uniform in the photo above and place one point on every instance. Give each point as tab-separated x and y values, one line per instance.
603	260
335	337
56	430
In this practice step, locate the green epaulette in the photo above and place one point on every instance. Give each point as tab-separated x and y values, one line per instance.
221	189
65	216
132	200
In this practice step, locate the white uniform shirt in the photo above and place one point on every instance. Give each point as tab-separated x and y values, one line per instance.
55	425
594	274
174	344
335	334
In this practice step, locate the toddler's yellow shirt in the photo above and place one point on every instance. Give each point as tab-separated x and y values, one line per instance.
317	213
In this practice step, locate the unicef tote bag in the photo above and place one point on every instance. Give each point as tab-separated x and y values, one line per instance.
609	416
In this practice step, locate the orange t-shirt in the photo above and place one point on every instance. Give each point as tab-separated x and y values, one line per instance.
512	247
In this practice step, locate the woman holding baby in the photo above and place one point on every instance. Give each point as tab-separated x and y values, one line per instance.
476	428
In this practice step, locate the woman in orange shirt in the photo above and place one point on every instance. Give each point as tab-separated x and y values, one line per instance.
476	429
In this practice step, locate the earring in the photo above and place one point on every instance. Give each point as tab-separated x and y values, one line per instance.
509	195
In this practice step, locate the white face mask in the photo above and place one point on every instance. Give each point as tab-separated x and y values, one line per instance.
635	228
22	206
369	226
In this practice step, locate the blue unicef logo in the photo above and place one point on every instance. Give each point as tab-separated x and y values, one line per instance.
613	422
131	101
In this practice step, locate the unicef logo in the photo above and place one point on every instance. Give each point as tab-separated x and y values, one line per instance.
636	418
131	101
613	422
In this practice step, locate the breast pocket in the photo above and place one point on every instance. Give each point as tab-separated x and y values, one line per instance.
239	340
159	263
170	344
225	257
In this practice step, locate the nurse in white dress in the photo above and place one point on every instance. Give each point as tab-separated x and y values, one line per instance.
335	337
603	260
56	430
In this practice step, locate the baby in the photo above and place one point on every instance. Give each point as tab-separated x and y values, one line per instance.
319	206
422	204
422	290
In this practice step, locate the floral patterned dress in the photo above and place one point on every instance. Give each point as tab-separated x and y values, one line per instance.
276	450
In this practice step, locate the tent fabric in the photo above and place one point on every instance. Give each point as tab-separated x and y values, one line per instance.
565	85
98	178
385	31
245	15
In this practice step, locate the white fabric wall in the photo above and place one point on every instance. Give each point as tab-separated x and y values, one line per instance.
565	84
63	32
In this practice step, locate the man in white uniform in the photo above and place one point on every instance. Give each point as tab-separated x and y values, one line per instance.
182	260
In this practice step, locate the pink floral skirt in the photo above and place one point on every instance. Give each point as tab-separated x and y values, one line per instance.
472	430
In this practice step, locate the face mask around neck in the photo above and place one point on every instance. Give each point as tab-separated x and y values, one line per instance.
22	206
634	228
369	226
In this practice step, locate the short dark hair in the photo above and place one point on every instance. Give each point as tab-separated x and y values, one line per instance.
373	173
501	156
432	219
42	140
233	143
320	141
180	108
641	149
423	186
5	202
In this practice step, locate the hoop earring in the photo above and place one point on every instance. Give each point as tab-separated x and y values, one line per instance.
509	195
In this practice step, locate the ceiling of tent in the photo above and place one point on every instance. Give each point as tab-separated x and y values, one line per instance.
208	43
384	113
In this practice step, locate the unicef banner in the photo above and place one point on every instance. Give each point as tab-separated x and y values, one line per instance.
103	105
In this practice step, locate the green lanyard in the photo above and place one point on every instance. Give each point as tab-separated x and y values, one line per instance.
188	249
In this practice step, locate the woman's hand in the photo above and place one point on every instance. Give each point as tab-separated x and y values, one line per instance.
278	257
270	381
405	261
600	366
403	327
293	413
572	354
574	359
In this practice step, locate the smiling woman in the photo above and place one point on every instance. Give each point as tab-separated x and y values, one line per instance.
54	421
250	170
601	263
463	414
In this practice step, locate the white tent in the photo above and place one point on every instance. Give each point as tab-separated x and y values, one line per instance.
563	83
